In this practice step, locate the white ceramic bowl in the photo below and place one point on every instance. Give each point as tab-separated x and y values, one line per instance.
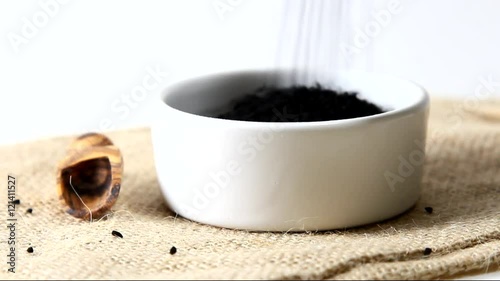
293	176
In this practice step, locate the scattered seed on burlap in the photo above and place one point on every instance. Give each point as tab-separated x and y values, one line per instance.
116	234
29	211
173	250
16	202
427	251
429	210
30	250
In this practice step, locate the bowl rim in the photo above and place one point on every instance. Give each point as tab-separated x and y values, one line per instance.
421	104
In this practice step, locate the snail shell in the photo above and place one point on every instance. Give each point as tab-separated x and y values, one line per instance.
89	177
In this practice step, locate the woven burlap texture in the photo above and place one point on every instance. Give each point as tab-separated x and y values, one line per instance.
461	182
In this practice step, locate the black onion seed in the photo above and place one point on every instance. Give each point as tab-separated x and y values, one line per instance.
29	211
427	251
30	250
16	202
173	250
116	234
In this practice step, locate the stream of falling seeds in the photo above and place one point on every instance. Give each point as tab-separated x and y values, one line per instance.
310	36
90	220
313	36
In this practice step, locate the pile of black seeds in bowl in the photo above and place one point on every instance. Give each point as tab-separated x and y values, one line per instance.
299	104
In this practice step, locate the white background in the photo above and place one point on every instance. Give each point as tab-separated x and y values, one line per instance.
90	54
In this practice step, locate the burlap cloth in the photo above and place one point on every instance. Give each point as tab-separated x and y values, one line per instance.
461	183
